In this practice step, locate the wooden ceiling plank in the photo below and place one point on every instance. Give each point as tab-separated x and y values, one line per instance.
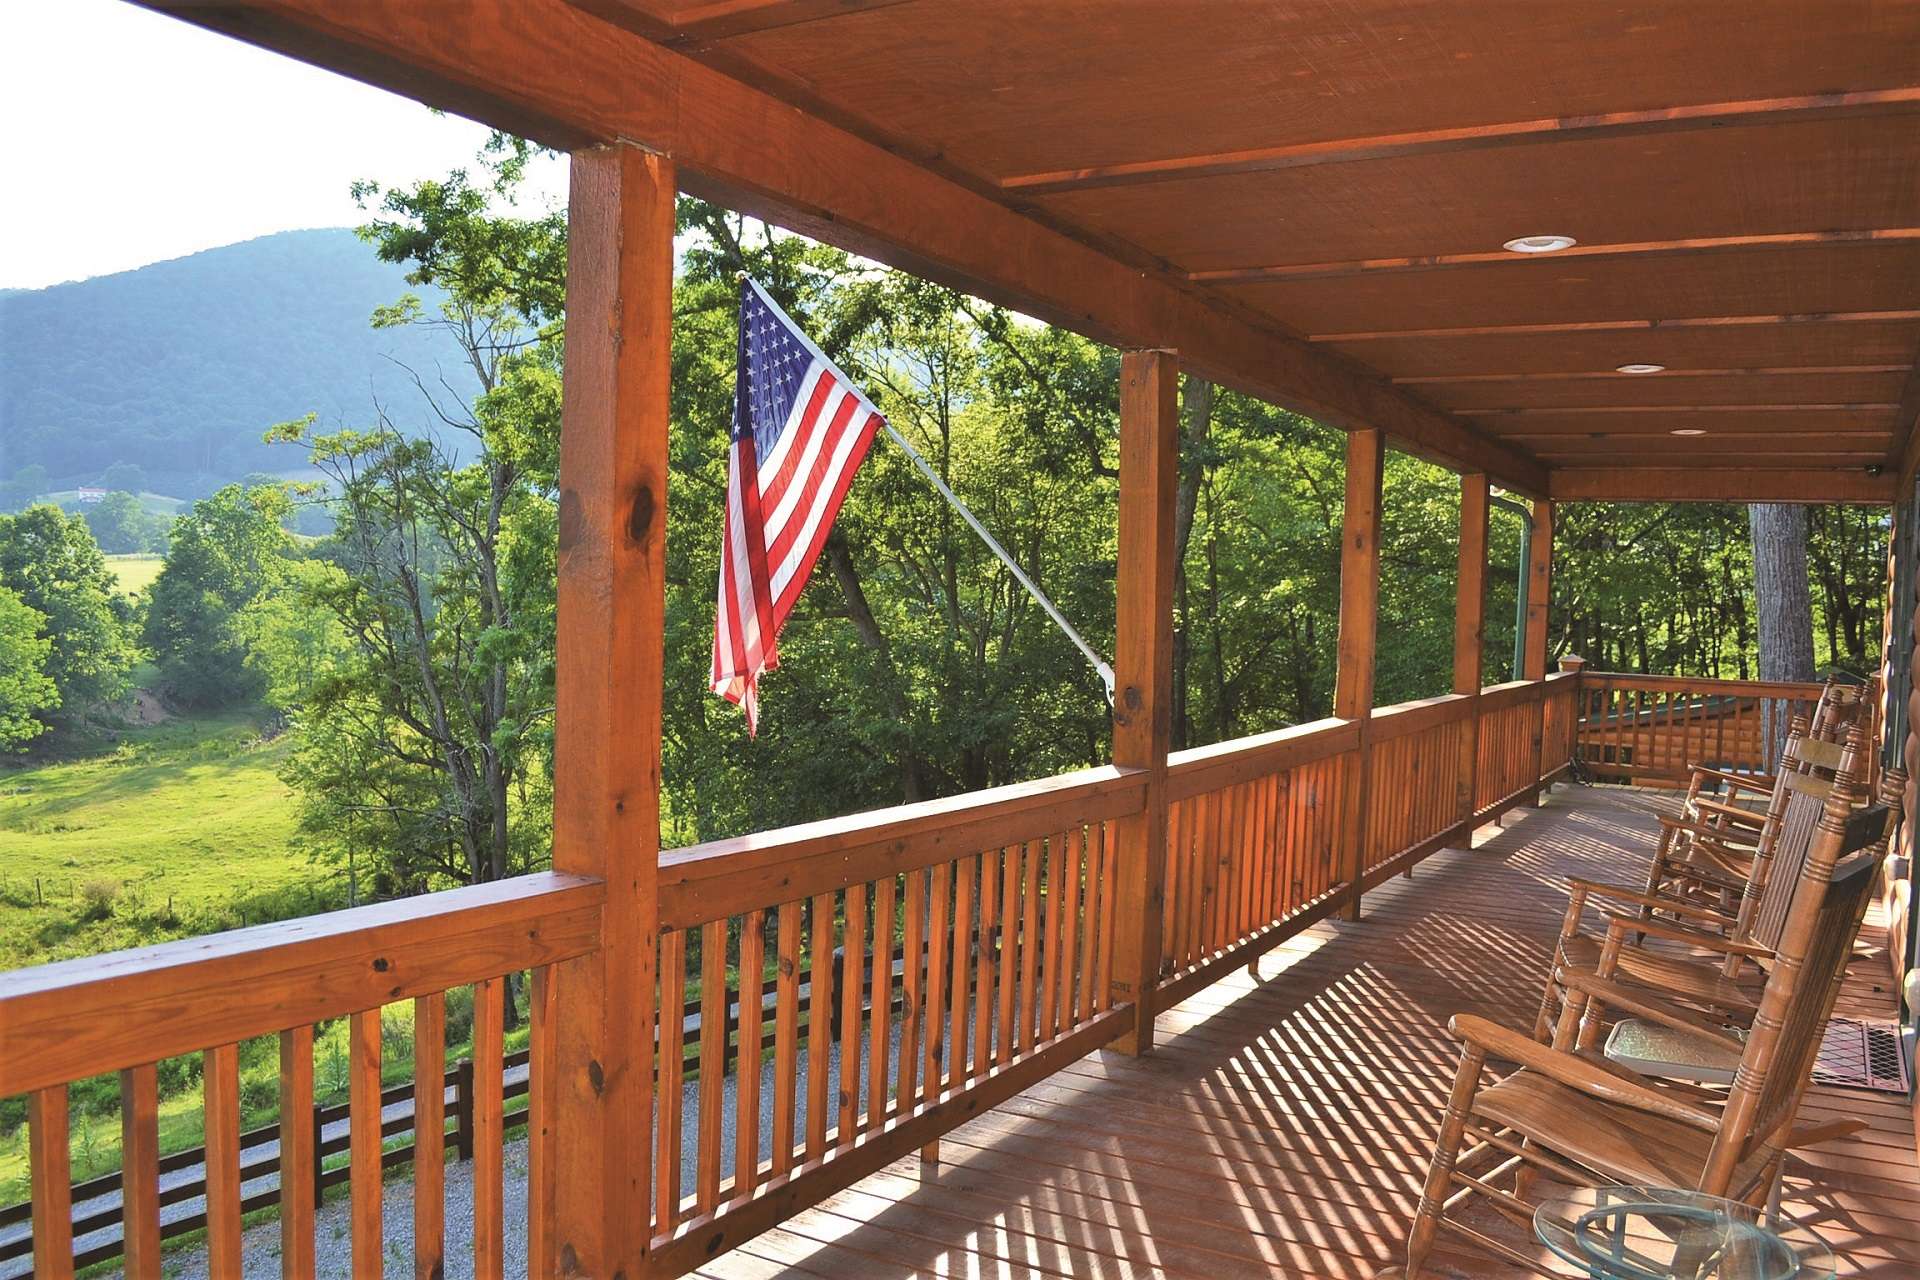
554	73
1501	257
1473	137
1615	326
1614	375
1720	484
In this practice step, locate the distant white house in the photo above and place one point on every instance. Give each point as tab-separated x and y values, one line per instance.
89	495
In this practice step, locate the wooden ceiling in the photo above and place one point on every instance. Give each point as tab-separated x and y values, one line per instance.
1321	188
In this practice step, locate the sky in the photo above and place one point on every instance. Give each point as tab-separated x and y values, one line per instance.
134	138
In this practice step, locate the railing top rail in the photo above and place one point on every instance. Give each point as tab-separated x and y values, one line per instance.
1424	713
1708	684
79	1018
720	878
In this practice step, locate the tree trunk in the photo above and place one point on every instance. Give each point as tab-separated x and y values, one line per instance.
1782	598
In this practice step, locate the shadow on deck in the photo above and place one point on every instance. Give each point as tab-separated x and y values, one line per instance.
1284	1124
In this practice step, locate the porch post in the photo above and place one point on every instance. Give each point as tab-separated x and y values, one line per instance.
1143	671
1539	600
1469	635
606	801
1359	612
1539	591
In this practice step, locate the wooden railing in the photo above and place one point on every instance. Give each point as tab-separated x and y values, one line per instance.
127	1011
845	992
1650	729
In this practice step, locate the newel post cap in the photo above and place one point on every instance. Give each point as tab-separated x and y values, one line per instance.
1572	662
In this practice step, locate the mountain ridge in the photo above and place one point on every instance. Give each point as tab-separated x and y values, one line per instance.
180	366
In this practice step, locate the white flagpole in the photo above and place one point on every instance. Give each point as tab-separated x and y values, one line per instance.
1099	664
1060	620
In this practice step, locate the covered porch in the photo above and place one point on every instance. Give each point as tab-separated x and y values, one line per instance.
1284	1121
1179	1012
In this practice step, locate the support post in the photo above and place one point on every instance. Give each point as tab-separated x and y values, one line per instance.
1143	671
1359	613
1469	637
612	604
1539	591
1539	599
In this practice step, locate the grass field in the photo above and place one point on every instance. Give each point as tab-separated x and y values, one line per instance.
135	572
183	827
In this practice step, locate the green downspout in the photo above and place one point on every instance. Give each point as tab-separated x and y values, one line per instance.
1524	580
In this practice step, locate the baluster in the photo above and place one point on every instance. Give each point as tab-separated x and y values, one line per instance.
140	1172
964	874
671	1095
1009	951
983	966
786	1034
753	1030
853	973
542	1088
220	1090
430	1135
713	1052
489	1134
299	1158
913	951
49	1142
880	1015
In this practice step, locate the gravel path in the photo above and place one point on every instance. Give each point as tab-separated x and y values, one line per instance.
261	1244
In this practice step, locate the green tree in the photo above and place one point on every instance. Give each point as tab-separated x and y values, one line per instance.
122	526
129	476
50	560
26	690
222	554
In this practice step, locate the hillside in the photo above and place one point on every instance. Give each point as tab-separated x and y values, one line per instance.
179	366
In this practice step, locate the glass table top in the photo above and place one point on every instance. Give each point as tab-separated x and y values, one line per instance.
1636	1233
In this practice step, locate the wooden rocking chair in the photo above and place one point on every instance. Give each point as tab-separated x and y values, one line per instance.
1587	1121
1707	853
1746	918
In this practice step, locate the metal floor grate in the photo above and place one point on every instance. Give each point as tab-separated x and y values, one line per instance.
1861	1053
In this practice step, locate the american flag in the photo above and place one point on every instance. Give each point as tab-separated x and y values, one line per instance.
800	431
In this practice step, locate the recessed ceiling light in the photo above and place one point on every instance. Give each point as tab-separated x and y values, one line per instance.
1640	368
1687	431
1539	244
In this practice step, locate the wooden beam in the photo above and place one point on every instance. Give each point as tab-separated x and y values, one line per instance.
612	603
1904	456
1614	375
1469	631
1359	614
1539	591
696	25
1689	247
551	72
1622	326
1707	483
1481	137
1143	671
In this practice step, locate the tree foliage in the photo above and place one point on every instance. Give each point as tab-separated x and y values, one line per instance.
51	562
26	690
224	553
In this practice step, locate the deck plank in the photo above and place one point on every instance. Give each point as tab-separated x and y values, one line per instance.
1283	1124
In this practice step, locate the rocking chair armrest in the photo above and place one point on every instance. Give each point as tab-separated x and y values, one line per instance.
1731	812
1712	873
1646	1003
1576	1073
1758	783
1808	1135
1701	831
1680	933
1596	888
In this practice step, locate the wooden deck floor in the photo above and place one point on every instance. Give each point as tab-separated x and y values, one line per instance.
1284	1124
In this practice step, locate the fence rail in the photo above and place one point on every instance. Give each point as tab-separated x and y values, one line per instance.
846	991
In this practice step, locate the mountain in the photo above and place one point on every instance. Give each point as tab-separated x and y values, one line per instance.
178	367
